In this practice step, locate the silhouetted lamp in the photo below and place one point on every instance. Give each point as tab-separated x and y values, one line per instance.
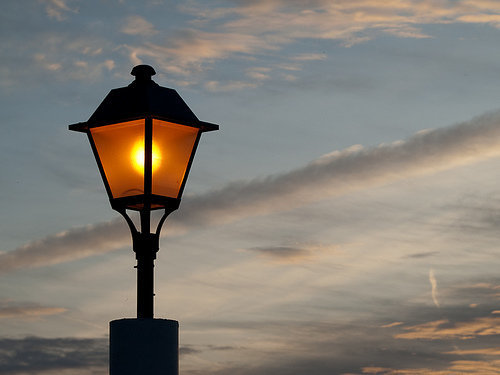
144	138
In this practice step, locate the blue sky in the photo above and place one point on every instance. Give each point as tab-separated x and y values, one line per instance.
344	220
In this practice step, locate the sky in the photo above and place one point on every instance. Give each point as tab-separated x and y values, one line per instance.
345	219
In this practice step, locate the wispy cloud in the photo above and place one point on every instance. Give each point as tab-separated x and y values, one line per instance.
310	57
337	173
443	329
41	60
390	325
65	355
20	312
476	367
282	253
259	73
480	363
62	56
217	86
475	295
282	22
256	27
484	351
136	25
425	254
334	349
464	367
253	30
54	355
190	49
66	246
434	291
349	170
295	253
58	9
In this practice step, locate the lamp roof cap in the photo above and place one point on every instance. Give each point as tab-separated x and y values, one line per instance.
143	72
143	98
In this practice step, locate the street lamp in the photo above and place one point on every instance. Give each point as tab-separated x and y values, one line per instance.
144	138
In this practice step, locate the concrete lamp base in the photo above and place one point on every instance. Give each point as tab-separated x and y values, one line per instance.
144	346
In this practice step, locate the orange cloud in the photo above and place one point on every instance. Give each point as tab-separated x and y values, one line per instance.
476	367
485	351
395	324
29	311
456	368
443	329
389	371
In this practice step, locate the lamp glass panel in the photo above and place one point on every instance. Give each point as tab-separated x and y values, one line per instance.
174	144
121	152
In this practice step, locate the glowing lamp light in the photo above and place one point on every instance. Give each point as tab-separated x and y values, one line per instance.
137	157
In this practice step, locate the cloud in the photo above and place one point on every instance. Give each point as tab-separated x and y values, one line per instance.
310	57
57	57
484	351
478	216
66	356
187	350
291	254
350	170
434	291
250	30
189	49
216	86
325	347
336	173
58	9
190	350
443	329
483	295
28	311
136	25
464	367
285	253
66	246
259	73
425	254
37	355
390	325
476	367
323	337
41	60
255	28
351	22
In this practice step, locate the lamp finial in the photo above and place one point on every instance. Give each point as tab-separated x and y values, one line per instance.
143	72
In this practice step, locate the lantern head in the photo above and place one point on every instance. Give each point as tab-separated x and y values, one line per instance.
144	138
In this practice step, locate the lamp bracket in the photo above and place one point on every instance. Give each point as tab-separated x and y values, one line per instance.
130	223
145	240
146	245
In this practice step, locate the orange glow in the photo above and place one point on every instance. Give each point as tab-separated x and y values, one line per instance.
114	144
137	156
121	153
177	142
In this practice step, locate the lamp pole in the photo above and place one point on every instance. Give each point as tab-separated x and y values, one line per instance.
144	138
145	247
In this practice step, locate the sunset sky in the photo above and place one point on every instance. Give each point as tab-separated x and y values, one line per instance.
345	219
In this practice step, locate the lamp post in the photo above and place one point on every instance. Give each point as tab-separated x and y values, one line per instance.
144	138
